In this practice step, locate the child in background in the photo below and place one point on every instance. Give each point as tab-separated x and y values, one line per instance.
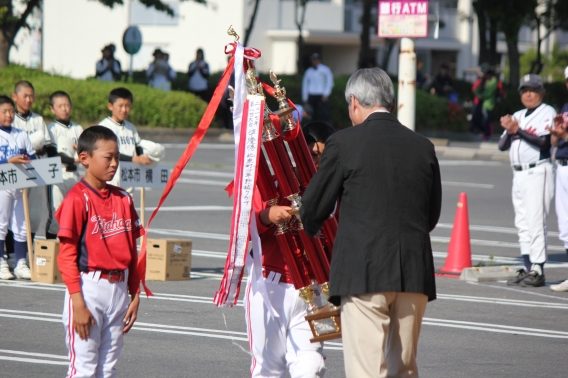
33	124
98	259
120	103
65	136
15	148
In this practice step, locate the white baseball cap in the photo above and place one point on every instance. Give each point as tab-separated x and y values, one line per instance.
154	151
566	73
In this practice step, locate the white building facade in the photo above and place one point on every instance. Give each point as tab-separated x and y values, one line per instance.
67	35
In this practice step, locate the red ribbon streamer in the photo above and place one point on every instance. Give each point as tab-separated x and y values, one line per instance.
184	159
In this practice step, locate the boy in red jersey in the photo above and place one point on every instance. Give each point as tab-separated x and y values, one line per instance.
98	259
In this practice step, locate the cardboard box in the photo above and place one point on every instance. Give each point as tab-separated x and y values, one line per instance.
168	260
45	262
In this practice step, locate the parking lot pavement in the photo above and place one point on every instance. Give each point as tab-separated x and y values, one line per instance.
471	330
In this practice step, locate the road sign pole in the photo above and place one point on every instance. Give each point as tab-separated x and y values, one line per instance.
131	64
29	231
407	83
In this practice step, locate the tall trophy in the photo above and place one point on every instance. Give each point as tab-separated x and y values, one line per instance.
287	161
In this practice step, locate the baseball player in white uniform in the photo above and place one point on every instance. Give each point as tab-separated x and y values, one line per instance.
15	148
65	135
120	103
33	124
527	137
559	139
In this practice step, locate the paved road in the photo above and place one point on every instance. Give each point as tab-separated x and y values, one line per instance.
472	330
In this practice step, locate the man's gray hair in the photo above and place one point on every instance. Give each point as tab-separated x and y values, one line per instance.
371	87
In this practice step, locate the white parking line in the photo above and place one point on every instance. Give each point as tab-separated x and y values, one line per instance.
203	182
189	208
234	335
22	353
468	185
202	146
189	234
207	173
33	360
491	243
494	229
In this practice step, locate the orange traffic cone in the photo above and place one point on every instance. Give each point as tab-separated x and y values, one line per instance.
459	250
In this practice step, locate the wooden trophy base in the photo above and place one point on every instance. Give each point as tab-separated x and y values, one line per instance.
326	316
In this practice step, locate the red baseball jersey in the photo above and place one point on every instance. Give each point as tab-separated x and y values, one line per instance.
98	231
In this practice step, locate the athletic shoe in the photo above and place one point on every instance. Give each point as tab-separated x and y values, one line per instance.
563	286
5	271
521	274
22	271
533	279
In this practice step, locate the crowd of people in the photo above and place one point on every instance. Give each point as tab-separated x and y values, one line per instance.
160	73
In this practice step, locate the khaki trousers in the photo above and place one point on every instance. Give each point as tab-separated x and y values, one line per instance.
380	334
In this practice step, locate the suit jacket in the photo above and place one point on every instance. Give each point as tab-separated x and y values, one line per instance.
388	180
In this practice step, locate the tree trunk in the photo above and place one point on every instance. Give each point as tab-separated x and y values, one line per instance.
386	56
482	28
493	56
514	60
365	49
300	5
5	46
248	32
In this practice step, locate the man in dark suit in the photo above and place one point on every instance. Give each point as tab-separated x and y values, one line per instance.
382	271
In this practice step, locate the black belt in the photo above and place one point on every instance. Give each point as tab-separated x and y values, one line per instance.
520	167
563	162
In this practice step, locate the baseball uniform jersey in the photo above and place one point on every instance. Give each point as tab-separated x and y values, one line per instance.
533	182
36	129
128	140
13	142
562	184
64	136
98	234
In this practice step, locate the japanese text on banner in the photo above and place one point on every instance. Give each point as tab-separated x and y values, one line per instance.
36	173
139	175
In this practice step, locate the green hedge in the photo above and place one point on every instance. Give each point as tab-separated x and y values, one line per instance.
152	107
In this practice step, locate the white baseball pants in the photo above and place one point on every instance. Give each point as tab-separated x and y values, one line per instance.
108	303
278	345
55	195
562	202
12	214
533	189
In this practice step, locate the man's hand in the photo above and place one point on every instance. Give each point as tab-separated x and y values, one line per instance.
82	317
20	159
559	127
275	214
510	124
131	313
142	159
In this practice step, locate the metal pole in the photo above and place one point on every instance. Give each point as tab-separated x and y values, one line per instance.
25	194
131	63
407	83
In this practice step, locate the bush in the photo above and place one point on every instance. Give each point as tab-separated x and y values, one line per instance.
152	107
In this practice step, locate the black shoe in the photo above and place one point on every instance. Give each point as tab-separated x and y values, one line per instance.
521	274
533	279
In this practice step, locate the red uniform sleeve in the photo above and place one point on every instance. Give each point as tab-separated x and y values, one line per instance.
257	207
71	215
134	276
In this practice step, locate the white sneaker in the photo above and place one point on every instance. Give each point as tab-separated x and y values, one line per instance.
5	270
563	286
22	271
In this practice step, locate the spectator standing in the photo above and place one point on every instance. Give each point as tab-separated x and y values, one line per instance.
486	94
108	68
160	73
316	88
387	178
527	137
198	73
443	84
559	139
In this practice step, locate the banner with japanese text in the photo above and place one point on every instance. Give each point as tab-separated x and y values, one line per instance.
35	173
140	175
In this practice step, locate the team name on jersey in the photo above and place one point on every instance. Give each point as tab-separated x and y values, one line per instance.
127	140
114	226
7	152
